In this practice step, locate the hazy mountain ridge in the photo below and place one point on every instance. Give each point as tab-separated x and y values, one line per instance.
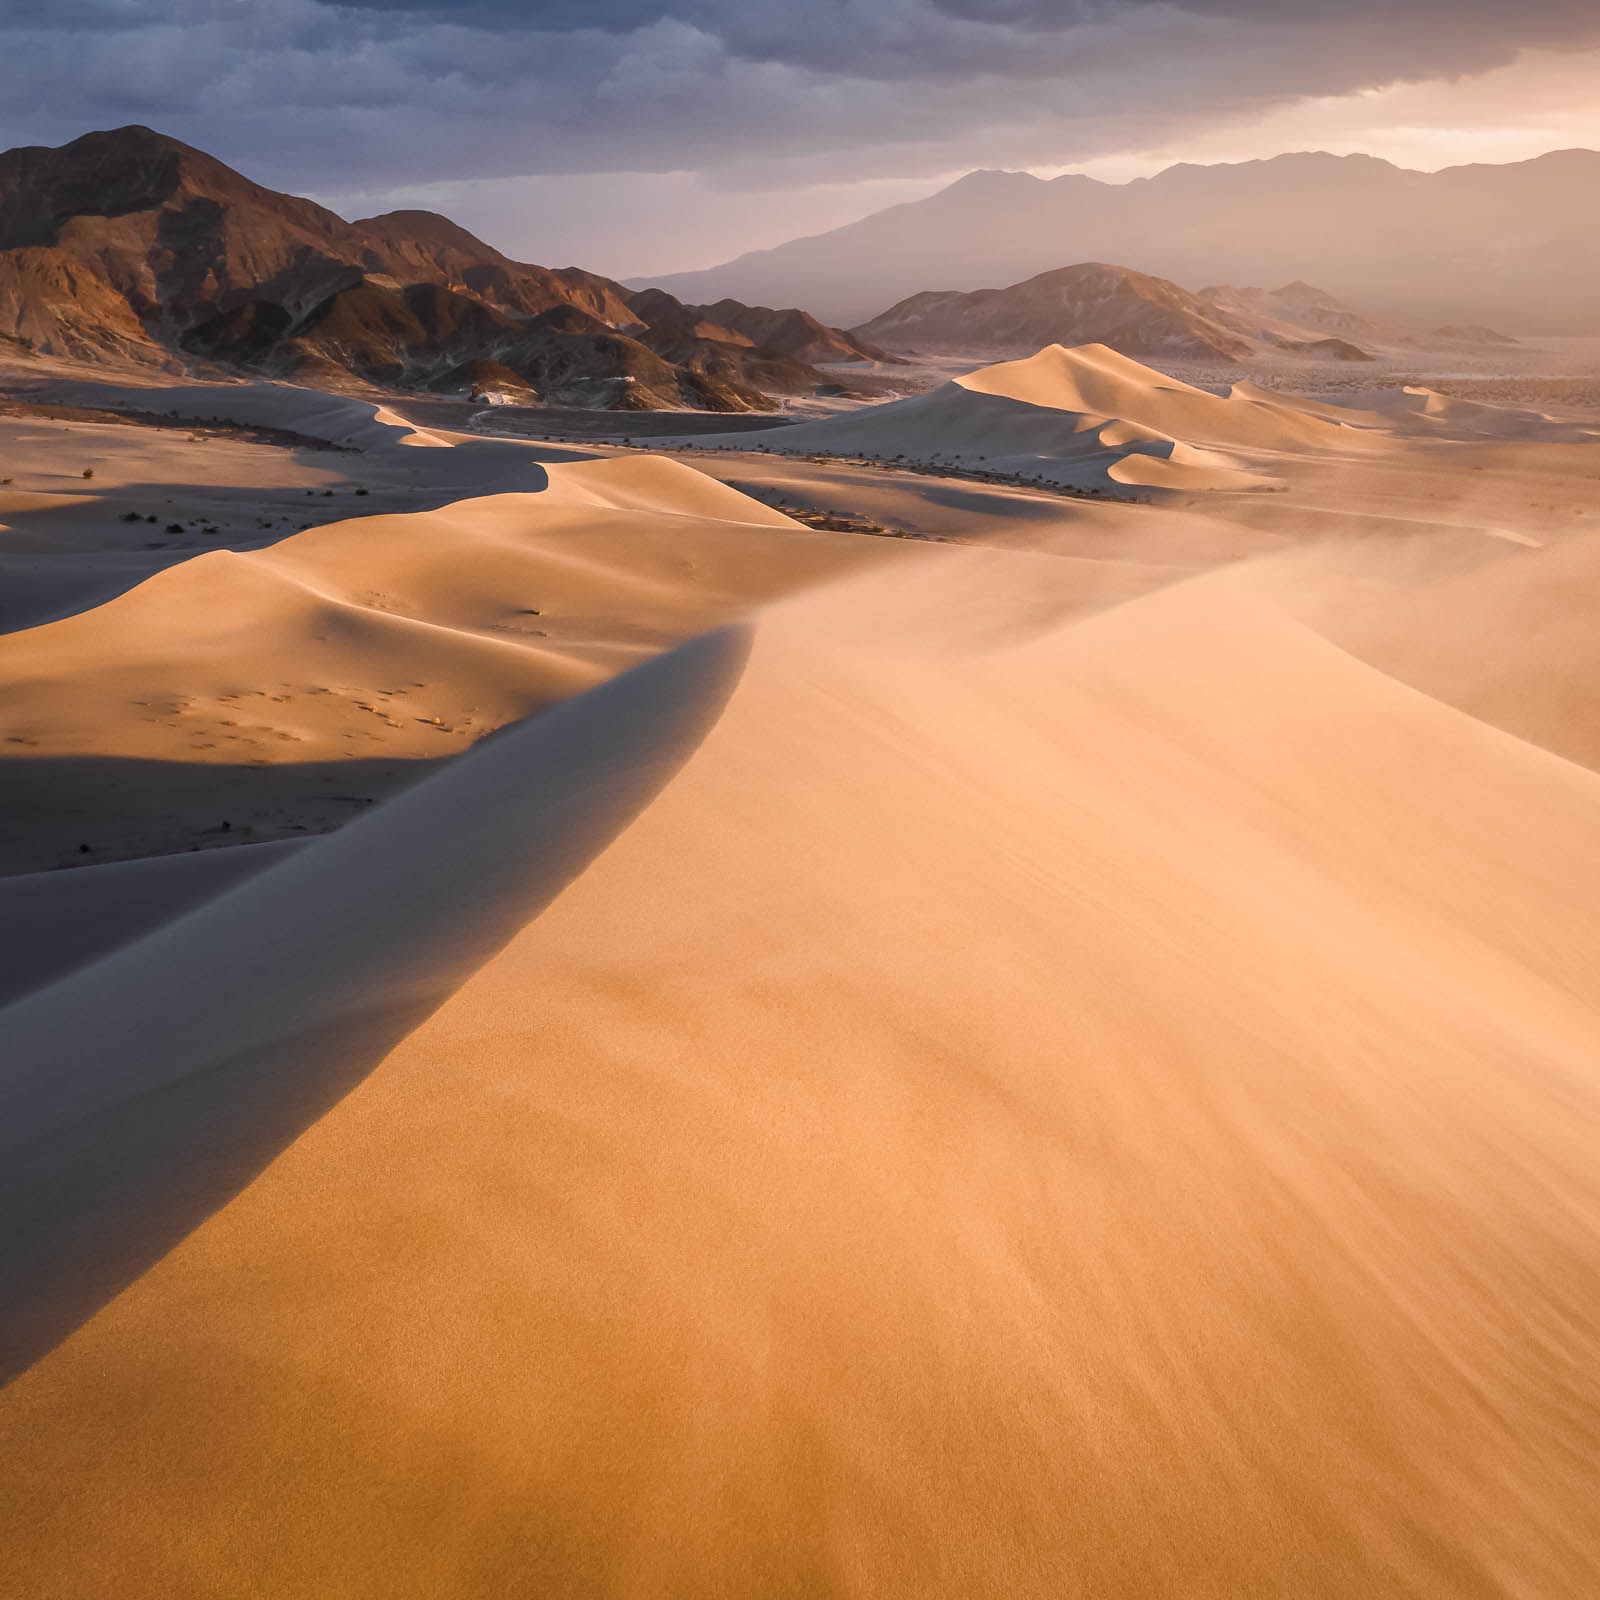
1514	246
130	246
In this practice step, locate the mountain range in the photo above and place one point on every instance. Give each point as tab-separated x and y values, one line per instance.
1516	246
132	247
1140	315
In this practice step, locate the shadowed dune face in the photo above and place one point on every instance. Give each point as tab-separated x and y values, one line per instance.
344	950
124	808
50	925
1024	1107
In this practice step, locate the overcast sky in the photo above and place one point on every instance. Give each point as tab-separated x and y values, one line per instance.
634	136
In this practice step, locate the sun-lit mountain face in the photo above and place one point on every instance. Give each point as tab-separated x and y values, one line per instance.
129	246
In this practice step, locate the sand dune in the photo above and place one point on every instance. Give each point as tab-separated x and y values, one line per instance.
992	1106
1350	416
1089	417
1433	412
339	419
1097	381
1013	439
100	504
394	640
169	695
920	1071
1184	468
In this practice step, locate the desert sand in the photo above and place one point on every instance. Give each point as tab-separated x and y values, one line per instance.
1059	1063
295	673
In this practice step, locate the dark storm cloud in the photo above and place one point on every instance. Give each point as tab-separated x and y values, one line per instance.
319	95
1548	18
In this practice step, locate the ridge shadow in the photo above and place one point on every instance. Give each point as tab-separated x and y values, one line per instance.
141	1093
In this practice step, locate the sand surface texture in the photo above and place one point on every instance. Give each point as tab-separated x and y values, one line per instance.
964	1076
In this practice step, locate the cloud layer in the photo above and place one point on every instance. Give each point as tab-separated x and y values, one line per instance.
372	93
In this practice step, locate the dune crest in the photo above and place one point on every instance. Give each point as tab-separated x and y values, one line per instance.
1098	381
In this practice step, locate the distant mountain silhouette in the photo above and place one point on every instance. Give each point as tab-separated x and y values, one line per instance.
1516	246
130	246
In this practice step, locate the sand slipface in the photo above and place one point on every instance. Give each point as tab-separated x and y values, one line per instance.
927	1072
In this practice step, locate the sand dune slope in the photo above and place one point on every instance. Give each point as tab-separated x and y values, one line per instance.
497	605
390	640
1024	1111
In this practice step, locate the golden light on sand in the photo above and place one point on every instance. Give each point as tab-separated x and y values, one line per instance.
1059	1067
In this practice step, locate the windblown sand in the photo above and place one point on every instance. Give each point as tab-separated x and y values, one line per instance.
963	1077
